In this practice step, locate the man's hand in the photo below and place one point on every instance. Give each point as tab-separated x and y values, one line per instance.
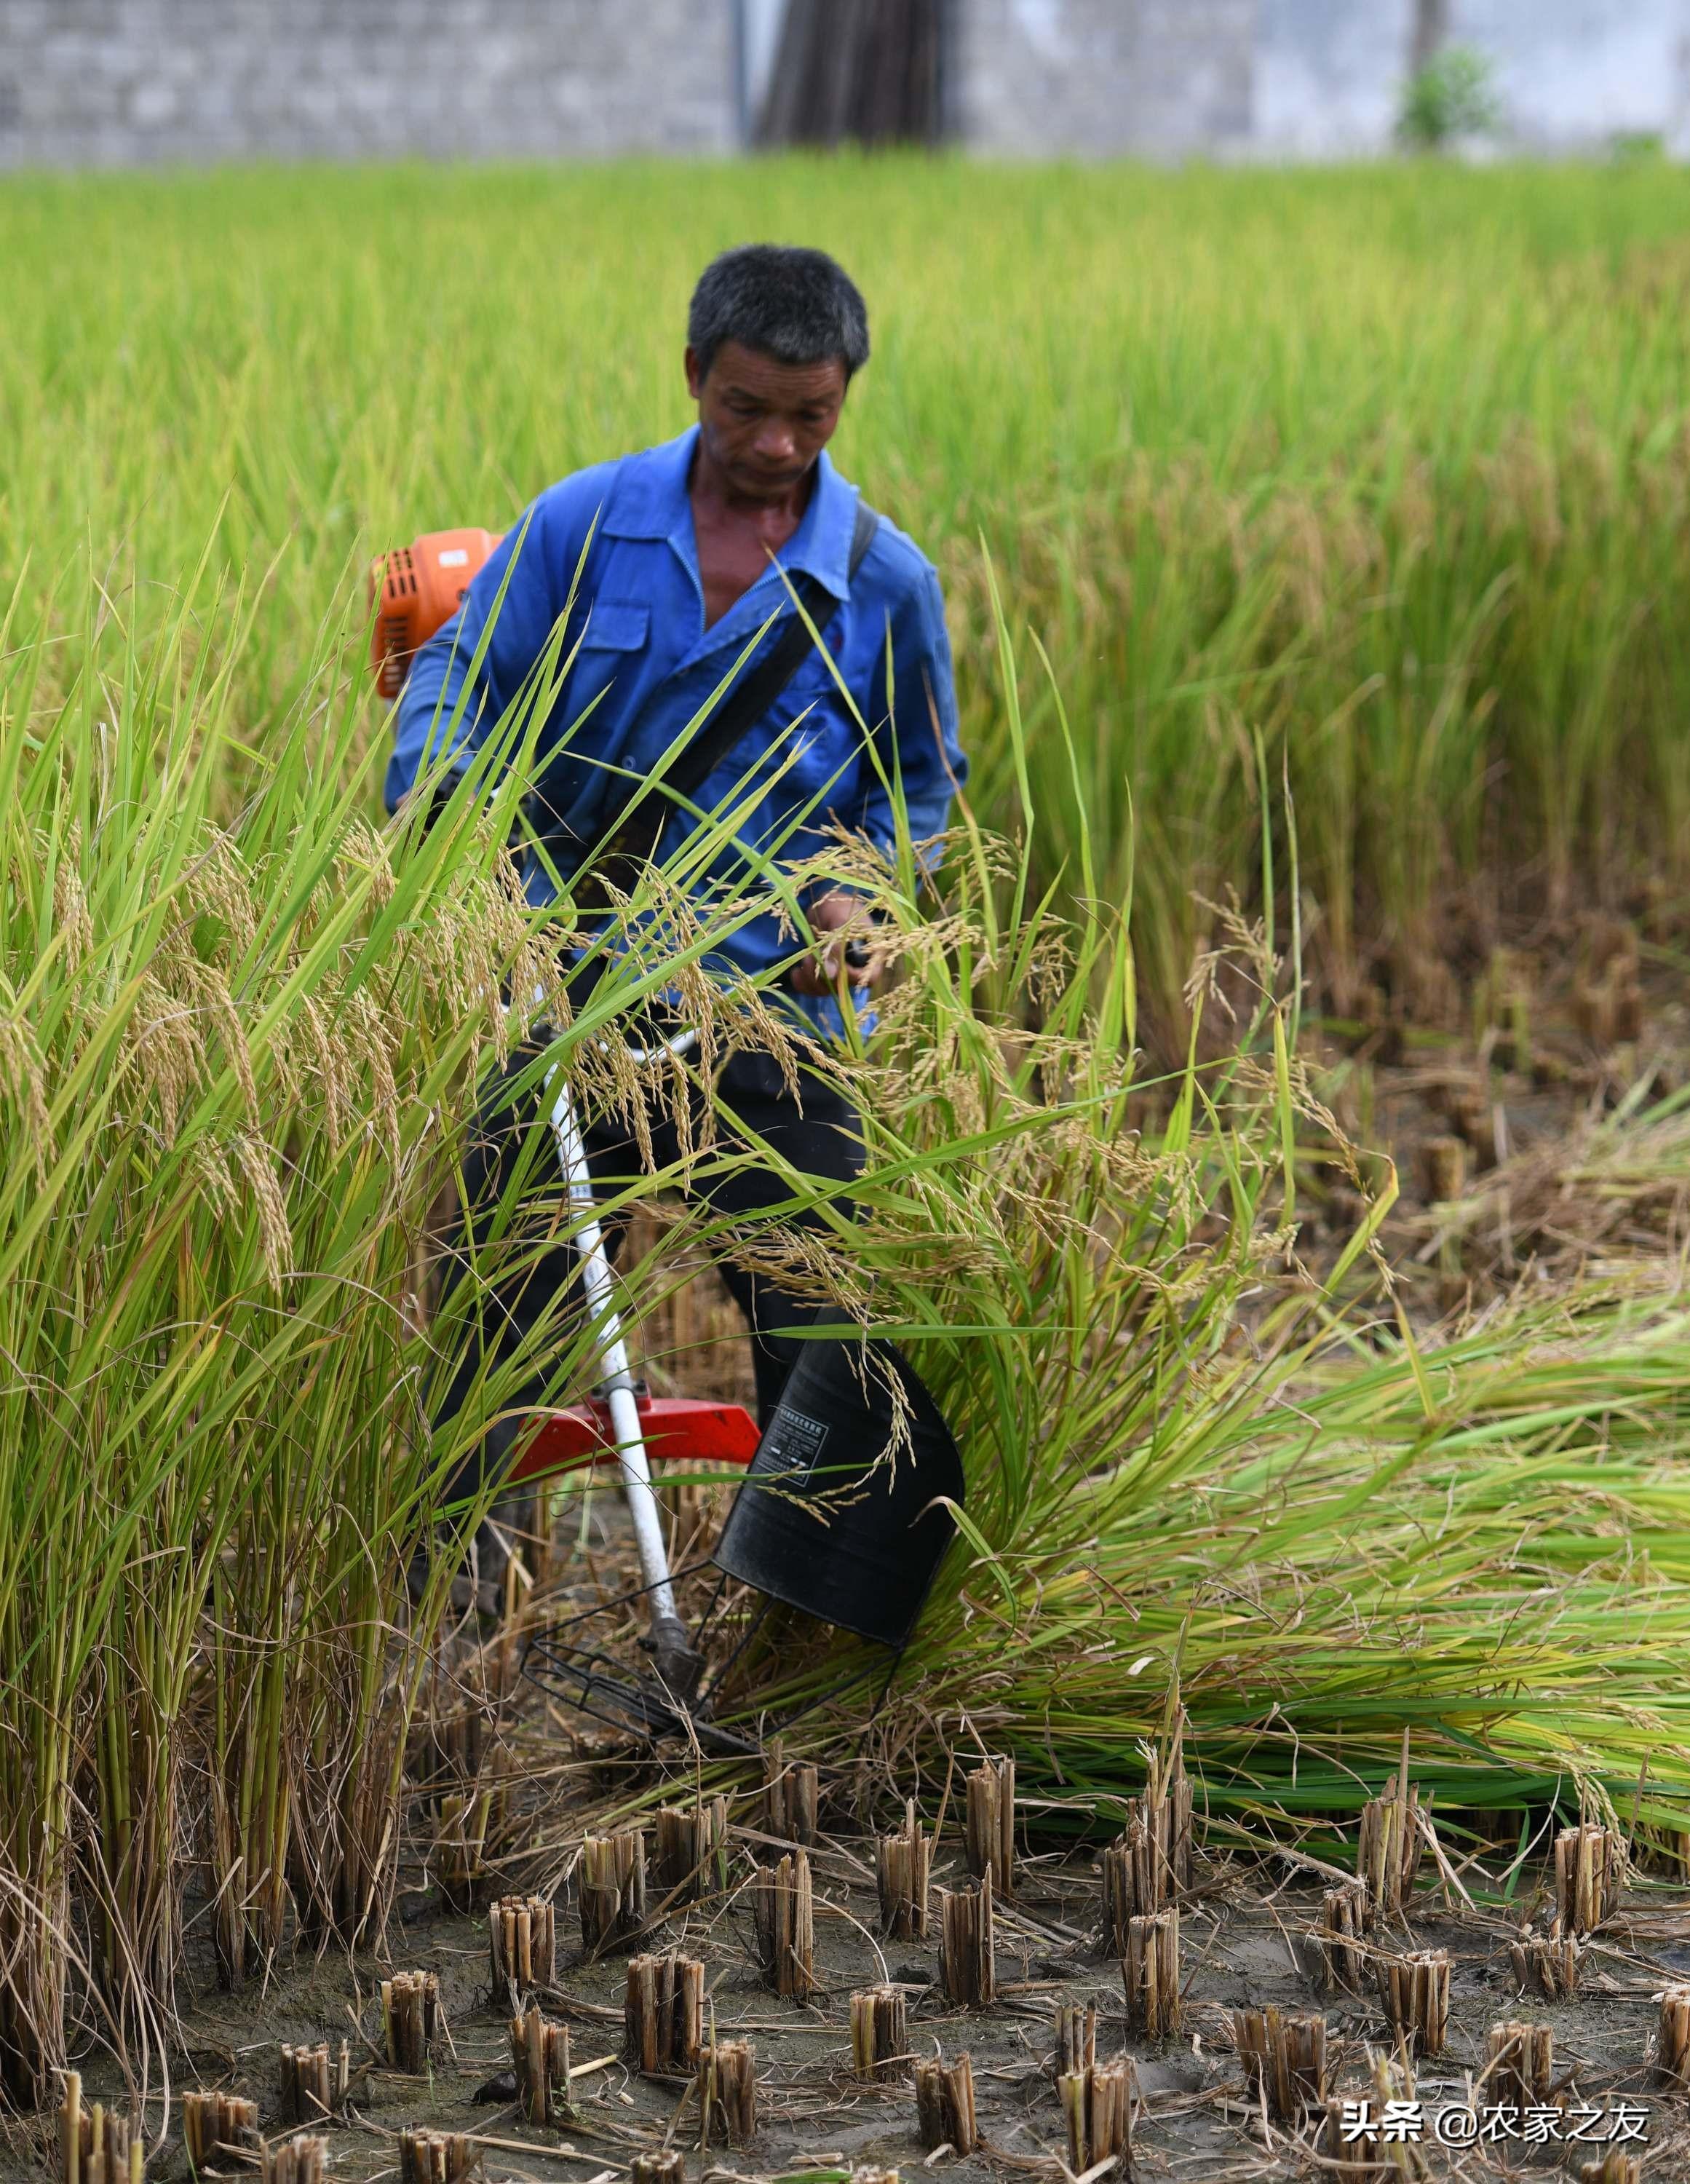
837	920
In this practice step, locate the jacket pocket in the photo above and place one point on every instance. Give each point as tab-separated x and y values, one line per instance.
606	671
616	626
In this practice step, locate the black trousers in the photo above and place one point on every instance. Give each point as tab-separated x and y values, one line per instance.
818	1134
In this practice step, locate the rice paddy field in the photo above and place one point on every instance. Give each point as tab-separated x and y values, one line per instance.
1278	1165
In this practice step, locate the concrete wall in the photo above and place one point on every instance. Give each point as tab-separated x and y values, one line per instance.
121	82
1093	77
105	82
1304	78
1194	65
1570	74
1329	75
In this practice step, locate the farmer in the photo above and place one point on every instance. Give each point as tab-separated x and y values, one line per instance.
685	546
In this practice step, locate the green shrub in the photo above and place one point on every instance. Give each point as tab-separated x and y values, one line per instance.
1452	97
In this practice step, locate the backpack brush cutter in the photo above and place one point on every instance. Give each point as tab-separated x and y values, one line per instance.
845	1510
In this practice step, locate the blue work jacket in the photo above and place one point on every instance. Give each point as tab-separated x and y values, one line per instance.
639	617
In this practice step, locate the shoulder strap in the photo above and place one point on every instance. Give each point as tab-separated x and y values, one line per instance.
862	537
749	699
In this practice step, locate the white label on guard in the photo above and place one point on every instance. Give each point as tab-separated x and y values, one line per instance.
794	1443
455	557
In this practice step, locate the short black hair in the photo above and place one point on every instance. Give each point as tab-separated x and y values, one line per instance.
799	306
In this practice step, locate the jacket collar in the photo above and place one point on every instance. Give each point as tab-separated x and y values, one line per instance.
649	496
649	501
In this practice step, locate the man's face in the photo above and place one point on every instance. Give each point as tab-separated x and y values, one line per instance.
765	423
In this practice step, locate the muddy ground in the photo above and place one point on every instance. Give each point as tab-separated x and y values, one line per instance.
1245	1944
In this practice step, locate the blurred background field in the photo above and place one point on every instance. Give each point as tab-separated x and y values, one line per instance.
1388	465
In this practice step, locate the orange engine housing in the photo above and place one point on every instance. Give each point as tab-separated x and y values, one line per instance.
415	588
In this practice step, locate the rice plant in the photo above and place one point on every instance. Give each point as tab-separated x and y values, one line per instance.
240	1050
1201	1477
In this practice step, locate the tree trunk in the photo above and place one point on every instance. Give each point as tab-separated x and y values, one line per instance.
1432	28
864	71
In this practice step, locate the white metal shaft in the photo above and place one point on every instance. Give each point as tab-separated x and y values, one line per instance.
625	1416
